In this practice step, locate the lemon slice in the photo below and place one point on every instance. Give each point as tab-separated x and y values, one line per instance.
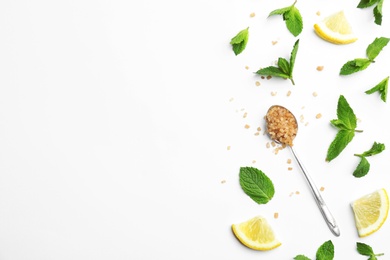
335	29
256	233
370	212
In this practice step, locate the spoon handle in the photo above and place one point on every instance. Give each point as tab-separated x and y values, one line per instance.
318	198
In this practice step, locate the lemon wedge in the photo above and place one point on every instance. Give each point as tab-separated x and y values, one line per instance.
335	29
370	212
256	234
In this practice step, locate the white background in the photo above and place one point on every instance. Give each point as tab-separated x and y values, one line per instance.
115	118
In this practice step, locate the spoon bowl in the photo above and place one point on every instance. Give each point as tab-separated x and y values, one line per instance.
282	128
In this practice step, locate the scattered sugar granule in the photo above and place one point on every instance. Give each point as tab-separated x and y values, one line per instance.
257	83
318	116
302	118
288	93
274	93
320	68
292	193
289	168
247	67
289	161
306	123
268	145
259	129
276	215
318	13
223	181
274	42
244	115
257	133
254	161
297	192
273	144
231	99
247	126
322	189
303	107
269	77
262	77
315	94
252	15
228	148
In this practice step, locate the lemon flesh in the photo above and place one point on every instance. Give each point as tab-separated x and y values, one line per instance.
256	234
335	29
370	212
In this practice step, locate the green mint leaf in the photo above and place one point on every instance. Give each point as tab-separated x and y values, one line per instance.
280	11
273	71
326	251
362	169
375	149
292	17
345	113
376	47
294	21
381	88
378	13
256	184
372	257
342	139
364	249
239	41
293	56
355	65
301	257
366	3
284	66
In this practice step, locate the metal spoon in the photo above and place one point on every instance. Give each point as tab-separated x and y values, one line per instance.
330	221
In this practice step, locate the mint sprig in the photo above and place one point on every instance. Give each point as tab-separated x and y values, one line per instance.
381	88
346	123
240	41
324	252
377	9
364	166
360	64
284	68
367	250
256	184
292	17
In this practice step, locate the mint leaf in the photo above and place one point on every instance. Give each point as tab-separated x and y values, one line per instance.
240	41
342	139
378	13
284	66
273	71
375	149
355	65
381	88
293	56
367	250
256	184
364	166
293	18
326	251
294	21
366	3
345	113
362	169
284	69
346	123
301	257
376	47
364	249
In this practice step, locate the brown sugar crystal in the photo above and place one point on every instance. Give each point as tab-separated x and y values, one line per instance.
281	125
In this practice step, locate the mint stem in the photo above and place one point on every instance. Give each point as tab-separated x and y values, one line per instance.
292	81
359	131
379	254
